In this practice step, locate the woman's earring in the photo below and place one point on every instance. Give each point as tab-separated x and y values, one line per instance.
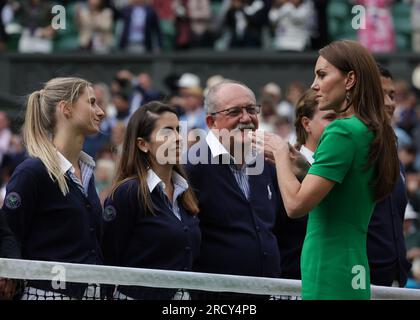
348	96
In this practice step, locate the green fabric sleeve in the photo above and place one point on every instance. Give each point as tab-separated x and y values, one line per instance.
335	153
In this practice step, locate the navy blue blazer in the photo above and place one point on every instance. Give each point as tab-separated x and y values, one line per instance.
290	236
152	26
8	245
136	238
50	226
385	242
237	234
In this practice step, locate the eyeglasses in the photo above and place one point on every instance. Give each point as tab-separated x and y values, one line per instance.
237	111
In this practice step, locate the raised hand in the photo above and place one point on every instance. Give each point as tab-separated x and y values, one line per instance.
300	166
270	144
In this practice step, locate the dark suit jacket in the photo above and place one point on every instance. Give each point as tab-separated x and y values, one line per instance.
8	245
152	27
385	241
237	234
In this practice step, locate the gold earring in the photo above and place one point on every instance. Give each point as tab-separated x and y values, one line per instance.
348	95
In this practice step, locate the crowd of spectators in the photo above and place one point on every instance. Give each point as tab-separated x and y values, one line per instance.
138	26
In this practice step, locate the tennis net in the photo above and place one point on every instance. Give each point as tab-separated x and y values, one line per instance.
46	280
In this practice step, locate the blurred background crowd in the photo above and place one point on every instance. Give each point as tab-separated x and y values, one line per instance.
165	25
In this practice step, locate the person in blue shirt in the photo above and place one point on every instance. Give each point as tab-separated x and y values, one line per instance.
51	204
150	218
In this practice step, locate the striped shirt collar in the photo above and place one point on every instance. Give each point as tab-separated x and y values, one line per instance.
153	180
66	165
217	149
87	168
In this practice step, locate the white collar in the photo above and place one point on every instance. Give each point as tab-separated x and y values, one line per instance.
153	180
217	149
65	165
309	155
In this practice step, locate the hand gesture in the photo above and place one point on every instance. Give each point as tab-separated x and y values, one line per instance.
270	144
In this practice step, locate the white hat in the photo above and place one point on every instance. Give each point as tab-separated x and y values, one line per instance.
189	80
212	81
415	78
272	88
409	212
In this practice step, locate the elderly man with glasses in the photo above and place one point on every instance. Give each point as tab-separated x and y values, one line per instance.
238	195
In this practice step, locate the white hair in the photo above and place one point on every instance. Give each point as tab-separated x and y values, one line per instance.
211	101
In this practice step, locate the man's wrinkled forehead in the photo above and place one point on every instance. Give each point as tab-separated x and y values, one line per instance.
233	93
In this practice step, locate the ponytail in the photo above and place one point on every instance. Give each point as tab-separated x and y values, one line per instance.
38	140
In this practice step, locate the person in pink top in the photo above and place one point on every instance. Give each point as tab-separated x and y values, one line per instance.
378	34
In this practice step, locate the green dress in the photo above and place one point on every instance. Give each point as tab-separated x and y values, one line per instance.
334	261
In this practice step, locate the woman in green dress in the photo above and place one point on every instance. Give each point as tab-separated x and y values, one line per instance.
356	164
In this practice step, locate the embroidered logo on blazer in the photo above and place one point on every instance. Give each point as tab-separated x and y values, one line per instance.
13	200
269	194
109	213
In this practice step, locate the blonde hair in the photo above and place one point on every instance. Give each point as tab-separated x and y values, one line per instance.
40	122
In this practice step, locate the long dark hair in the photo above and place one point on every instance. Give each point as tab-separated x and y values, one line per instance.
134	163
306	107
367	99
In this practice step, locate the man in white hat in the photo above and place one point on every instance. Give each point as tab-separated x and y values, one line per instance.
192	101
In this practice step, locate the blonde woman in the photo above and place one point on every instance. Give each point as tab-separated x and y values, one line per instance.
51	202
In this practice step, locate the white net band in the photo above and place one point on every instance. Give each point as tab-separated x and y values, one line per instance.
82	273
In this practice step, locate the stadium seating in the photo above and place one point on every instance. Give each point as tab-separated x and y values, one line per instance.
339	20
167	27
401	13
68	39
340	16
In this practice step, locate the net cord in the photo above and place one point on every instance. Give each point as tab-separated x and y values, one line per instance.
82	273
